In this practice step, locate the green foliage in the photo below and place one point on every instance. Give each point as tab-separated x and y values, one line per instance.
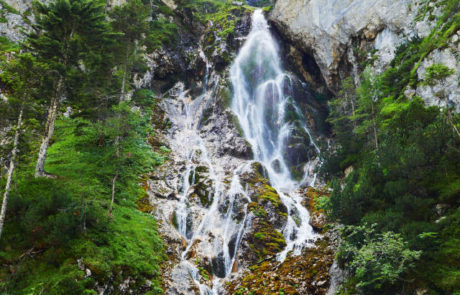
66	32
437	73
65	218
375	259
405	163
6	45
57	229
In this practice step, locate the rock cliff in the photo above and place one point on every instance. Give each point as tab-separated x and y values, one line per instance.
341	35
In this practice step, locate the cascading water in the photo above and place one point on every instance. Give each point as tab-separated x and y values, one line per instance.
210	207
219	231
262	98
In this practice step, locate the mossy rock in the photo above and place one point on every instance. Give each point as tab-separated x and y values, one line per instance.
266	242
307	273
143	204
203	186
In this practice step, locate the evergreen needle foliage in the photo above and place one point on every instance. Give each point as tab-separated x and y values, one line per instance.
79	60
399	198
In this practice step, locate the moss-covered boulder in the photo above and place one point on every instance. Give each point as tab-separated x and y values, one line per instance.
202	186
307	273
317	215
268	216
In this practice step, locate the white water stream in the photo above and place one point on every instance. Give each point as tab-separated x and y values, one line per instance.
261	96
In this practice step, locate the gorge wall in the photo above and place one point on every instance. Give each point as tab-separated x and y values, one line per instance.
341	35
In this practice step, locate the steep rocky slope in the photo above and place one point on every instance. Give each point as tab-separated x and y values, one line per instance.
219	213
341	35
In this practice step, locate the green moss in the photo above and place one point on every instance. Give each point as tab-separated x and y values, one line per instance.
233	118
272	277
257	210
273	198
267	241
8	8
206	115
204	274
268	8
174	220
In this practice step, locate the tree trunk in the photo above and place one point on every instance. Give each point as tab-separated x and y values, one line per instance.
10	170
117	138
374	125
449	114
114	181
49	130
353	111
123	81
451	122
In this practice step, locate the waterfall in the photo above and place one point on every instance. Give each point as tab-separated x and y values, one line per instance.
262	95
272	123
219	231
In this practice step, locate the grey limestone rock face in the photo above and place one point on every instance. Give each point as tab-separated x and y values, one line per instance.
15	19
432	95
326	27
333	31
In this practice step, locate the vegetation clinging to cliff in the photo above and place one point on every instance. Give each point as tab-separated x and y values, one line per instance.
402	174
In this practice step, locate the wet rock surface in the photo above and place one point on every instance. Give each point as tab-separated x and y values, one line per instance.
317	216
307	273
217	210
314	271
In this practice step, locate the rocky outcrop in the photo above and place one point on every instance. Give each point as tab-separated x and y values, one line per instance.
13	16
199	45
327	29
307	273
317	215
432	94
342	35
263	239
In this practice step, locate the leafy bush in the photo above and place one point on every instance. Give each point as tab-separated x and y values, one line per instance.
375	259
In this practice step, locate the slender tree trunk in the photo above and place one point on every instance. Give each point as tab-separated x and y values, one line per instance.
117	138
449	114
353	111
123	80
451	122
376	141
114	181
10	171
49	130
374	126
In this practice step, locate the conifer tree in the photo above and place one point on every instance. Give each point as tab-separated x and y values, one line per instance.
23	79
131	21
65	33
366	111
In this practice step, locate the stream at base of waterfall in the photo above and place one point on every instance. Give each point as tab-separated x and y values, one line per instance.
203	204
